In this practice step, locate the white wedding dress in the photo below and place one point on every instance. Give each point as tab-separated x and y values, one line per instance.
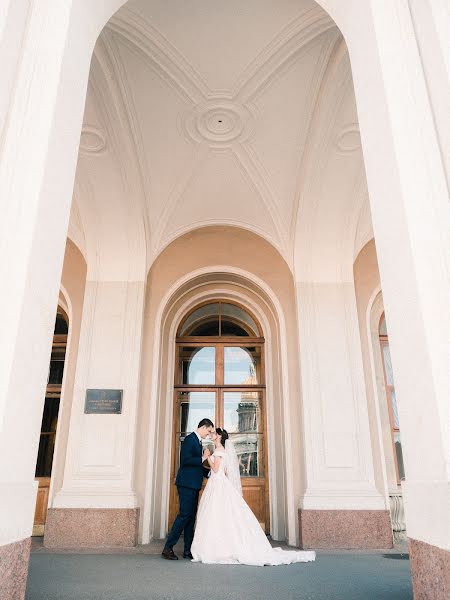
227	531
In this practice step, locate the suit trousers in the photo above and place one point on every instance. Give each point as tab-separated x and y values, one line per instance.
185	519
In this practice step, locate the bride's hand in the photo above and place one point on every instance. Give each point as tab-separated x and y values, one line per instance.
214	462
206	453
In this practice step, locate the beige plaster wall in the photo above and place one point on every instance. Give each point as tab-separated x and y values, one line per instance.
206	248
73	281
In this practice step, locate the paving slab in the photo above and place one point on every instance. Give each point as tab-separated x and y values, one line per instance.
142	574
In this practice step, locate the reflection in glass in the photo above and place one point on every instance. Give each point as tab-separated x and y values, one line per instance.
250	456
242	421
61	327
388	364
203	321
50	416
399	455
193	407
237	322
47	439
56	368
383	328
198	365
55	374
241	411
241	365
394	409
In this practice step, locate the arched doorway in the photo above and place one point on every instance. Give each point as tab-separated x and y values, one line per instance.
219	374
49	423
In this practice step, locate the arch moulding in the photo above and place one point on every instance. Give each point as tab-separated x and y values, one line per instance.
217	281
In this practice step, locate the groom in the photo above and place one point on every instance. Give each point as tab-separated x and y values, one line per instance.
189	481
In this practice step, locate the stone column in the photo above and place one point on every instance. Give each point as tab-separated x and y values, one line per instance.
399	95
41	105
341	506
97	504
45	51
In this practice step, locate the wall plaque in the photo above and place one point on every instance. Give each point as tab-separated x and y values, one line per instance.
103	402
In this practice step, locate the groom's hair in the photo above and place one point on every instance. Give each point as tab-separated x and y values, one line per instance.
205	423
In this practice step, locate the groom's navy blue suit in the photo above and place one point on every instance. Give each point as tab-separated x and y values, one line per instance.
189	481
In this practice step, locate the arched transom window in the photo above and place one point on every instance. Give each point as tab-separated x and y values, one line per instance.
219	319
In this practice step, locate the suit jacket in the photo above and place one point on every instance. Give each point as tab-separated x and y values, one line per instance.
191	471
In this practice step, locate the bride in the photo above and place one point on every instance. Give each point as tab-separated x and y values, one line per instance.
227	531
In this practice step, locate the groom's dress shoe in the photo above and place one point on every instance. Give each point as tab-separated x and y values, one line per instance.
169	554
188	555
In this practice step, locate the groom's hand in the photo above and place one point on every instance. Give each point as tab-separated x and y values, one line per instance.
206	453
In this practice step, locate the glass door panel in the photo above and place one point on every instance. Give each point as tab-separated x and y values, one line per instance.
242	365
242	419
223	381
192	407
242	411
249	448
47	439
197	365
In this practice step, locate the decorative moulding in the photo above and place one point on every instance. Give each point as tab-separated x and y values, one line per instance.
92	140
219	122
349	139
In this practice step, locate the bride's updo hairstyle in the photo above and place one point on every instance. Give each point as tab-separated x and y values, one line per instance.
223	435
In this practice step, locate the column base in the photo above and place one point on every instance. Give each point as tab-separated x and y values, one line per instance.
344	529
14	559
91	527
430	571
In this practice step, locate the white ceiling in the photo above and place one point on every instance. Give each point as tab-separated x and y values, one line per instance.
211	112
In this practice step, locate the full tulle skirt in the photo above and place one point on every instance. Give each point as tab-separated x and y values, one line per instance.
227	531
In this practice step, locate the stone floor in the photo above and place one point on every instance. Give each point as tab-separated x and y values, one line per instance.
140	573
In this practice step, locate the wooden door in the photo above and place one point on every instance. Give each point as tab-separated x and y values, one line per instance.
241	412
40	513
220	376
189	408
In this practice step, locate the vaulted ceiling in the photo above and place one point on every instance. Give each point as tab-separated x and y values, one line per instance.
211	112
